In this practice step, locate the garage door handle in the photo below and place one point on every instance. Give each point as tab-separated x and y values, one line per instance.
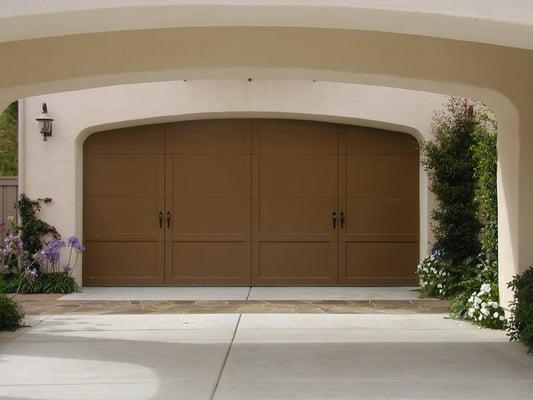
168	219
342	219
160	219
334	219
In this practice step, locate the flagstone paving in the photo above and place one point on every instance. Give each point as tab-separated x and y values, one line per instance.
53	305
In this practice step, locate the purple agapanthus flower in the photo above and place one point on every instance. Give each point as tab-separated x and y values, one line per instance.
12	245
51	252
31	273
75	243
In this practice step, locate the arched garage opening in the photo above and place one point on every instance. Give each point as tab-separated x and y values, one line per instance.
250	202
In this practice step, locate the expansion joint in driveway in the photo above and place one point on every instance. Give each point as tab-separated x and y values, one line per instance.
226	357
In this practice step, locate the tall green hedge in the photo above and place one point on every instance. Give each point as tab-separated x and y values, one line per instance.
486	194
450	163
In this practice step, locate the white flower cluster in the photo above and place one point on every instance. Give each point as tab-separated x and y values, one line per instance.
482	306
431	274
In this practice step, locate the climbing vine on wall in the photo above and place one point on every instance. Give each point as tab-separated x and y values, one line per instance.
33	230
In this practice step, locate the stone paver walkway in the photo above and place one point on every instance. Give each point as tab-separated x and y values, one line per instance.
52	305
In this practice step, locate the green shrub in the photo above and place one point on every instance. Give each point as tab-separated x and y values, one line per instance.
11	314
26	282
462	165
449	161
520	325
8	140
478	297
486	194
57	282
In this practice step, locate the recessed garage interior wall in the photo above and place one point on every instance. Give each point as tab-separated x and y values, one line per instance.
251	202
80	115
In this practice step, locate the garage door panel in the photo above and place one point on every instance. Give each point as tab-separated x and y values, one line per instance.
296	215
297	137
136	215
381	216
231	136
381	262
297	193
202	262
220	175
211	215
379	244
123	194
122	262
208	192
361	140
124	175
382	176
136	140
297	262
298	176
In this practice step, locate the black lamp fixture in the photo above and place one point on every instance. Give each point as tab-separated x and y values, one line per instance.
45	123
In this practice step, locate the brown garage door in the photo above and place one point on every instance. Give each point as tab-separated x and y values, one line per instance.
296	195
378	195
123	194
239	202
208	197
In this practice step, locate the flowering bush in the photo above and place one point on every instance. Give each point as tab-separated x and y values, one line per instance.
42	271
49	256
483	309
434	275
478	298
12	247
45	273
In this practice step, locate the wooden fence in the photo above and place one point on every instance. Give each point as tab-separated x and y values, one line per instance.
8	197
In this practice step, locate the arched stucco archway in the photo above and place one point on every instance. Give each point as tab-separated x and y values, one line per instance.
451	61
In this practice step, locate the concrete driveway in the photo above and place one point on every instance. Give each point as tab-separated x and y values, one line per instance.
260	356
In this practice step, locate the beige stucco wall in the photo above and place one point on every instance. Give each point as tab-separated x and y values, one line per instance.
508	22
482	52
78	114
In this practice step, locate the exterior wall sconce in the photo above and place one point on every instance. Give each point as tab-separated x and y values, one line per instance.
45	123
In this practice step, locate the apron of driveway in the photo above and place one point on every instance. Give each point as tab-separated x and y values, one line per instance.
260	356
